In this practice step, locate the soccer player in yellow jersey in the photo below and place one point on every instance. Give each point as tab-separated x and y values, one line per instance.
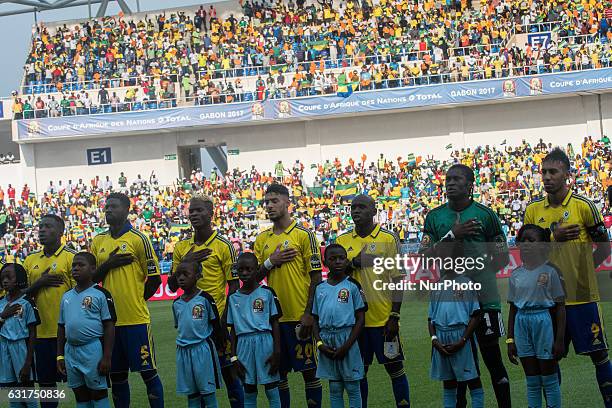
290	257
578	225
129	270
364	243
49	274
217	256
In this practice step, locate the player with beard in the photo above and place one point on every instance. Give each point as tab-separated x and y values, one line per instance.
463	228
217	256
578	225
290	257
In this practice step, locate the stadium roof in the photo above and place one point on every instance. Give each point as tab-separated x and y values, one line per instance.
34	6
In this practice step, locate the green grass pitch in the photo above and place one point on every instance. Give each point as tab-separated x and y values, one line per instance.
578	377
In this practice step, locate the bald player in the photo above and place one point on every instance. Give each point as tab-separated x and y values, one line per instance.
365	242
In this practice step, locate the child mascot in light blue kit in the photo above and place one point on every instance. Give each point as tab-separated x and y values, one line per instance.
196	318
537	310
253	313
339	308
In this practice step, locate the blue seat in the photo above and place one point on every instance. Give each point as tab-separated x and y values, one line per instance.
93	110
108	109
137	106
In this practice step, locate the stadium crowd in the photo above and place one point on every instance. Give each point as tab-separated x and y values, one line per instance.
292	48
405	188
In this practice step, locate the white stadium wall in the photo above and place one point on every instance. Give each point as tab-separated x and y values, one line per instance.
559	121
133	155
422	132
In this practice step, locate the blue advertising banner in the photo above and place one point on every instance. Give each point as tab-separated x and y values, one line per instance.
317	106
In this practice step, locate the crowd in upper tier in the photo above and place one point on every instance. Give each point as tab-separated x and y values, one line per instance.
303	49
405	188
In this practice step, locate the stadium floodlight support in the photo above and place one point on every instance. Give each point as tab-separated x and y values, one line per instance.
35	6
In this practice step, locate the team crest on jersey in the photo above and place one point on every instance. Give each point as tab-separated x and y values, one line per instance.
372	247
343	295
258	305
542	279
349	249
566	215
541	220
197	312
286	244
86	304
53	266
123	246
458	294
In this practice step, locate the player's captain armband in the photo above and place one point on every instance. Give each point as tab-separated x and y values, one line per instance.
597	230
151	267
315	262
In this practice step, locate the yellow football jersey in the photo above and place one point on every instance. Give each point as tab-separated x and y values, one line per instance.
217	269
291	280
574	258
382	243
127	283
48	299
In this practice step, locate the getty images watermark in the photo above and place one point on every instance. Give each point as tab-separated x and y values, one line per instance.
413	265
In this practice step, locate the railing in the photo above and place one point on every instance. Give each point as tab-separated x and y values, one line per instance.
44	86
540	27
404	81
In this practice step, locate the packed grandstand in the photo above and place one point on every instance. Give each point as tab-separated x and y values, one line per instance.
281	50
405	187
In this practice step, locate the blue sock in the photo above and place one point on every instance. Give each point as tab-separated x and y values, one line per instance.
193	401
86	404
354	393
121	394
477	396
250	399
603	372
314	393
363	385
550	383
101	403
336	394
235	393
450	397
209	400
273	397
401	390
155	392
534	391
285	396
